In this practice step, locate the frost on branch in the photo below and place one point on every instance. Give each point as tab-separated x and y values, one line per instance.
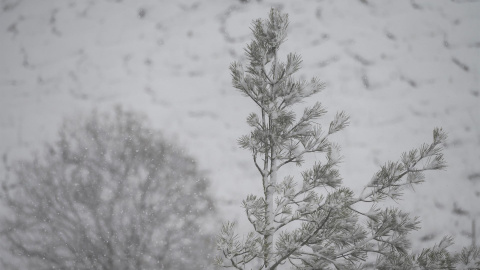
314	222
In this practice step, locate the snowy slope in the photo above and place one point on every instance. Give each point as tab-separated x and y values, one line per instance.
399	68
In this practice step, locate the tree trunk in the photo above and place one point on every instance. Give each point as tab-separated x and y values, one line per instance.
270	211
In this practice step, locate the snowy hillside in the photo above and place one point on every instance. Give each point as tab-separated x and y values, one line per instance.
398	68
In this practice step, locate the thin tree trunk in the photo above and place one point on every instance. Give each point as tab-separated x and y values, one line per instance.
270	211
270	191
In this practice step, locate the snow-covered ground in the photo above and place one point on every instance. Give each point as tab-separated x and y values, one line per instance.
399	68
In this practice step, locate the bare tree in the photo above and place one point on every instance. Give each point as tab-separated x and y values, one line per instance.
109	194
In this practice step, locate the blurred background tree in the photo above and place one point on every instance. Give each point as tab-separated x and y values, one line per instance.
111	193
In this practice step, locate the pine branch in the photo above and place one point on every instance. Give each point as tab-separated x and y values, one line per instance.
281	259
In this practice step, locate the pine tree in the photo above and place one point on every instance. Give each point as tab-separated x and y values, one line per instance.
313	223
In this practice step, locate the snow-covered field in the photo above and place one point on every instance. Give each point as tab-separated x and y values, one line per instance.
399	68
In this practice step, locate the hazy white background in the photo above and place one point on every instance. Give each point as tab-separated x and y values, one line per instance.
398	67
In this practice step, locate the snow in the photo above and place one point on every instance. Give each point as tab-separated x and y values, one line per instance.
398	68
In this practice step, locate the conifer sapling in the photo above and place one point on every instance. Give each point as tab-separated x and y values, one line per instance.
313	222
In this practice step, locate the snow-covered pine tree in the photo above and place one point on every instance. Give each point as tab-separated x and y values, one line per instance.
314	223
